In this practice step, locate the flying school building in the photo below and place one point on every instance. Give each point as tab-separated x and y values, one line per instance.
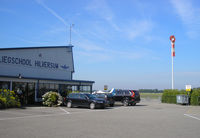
37	70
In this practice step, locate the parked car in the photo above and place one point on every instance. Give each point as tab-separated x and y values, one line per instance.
107	97
127	97
136	96
84	100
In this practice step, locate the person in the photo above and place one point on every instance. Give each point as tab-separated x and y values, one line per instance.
20	95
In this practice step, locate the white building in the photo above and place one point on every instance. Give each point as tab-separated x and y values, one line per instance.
36	70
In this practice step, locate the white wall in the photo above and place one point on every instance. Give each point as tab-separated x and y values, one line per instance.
53	59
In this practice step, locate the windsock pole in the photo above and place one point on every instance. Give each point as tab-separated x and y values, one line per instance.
172	38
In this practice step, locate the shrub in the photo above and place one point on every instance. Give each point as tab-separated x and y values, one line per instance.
169	95
2	102
8	99
195	97
11	102
52	99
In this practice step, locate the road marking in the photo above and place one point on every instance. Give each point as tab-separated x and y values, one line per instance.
11	112
65	111
193	110
32	116
98	110
192	116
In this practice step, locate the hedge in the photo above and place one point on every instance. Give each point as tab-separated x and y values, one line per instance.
195	97
169	95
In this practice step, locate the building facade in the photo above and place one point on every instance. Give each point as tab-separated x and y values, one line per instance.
37	70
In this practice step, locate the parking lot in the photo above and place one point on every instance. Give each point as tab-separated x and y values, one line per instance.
149	118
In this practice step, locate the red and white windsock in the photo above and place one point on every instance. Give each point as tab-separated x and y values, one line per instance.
172	38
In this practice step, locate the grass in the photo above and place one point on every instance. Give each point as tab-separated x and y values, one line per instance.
151	95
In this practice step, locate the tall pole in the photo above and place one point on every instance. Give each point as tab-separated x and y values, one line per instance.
70	32
172	71
172	38
70	28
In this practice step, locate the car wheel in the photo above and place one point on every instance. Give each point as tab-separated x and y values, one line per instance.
69	104
92	105
111	105
125	102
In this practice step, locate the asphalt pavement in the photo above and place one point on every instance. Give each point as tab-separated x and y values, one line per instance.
149	118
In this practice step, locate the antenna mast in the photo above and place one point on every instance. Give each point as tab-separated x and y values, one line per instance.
70	33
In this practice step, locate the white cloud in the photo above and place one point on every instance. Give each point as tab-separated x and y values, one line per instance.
94	56
56	30
28	41
92	50
190	16
52	12
89	46
138	29
132	54
95	53
102	9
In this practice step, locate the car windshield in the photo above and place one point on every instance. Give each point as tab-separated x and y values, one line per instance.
90	96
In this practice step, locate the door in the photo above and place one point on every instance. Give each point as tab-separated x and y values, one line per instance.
84	100
75	99
28	92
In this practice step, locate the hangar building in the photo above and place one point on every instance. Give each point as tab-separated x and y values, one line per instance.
37	70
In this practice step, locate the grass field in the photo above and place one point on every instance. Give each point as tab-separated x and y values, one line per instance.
151	95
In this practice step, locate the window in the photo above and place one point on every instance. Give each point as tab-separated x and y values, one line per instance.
82	96
51	86
74	88
71	95
77	96
46	87
4	85
42	90
127	92
85	88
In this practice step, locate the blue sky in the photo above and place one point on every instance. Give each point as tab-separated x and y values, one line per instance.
119	43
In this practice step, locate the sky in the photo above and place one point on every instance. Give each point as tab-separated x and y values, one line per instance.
120	43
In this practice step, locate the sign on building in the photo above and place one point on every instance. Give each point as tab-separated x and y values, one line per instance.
38	62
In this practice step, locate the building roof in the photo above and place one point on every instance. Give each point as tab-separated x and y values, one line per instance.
81	81
35	47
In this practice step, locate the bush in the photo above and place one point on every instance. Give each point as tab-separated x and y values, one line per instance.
169	95
2	102
52	99
195	97
8	99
